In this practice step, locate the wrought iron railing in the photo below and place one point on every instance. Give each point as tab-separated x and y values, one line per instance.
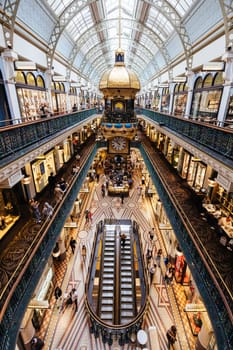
211	139
17	140
216	295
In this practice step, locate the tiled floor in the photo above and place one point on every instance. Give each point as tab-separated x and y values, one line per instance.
69	330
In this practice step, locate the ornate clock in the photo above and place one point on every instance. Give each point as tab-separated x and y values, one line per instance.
118	144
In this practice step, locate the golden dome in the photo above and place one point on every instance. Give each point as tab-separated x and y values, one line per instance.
119	77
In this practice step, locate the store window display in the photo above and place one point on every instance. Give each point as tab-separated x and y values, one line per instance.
180	99
207	97
31	93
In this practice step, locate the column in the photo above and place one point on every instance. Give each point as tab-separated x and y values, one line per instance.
171	90
48	81
228	77
160	99
181	160
8	72
190	82
68	103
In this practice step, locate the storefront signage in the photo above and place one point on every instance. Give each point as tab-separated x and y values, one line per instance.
225	183
12	180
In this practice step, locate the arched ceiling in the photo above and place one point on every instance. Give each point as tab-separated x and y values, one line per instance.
147	30
140	28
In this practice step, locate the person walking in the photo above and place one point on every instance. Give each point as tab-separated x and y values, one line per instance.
152	233
171	336
58	193
169	275
47	211
58	296
74	297
123	239
158	257
52	183
152	270
35	210
73	244
103	190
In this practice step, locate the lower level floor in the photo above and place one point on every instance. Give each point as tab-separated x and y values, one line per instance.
62	327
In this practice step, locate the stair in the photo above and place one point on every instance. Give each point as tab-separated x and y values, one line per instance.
108	273
127	290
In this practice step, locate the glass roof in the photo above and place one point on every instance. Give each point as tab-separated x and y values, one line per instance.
140	27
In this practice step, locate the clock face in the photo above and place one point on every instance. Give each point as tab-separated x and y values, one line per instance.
118	143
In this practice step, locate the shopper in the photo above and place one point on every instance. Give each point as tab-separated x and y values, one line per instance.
158	257
52	183
74	297
73	244
152	270
58	193
58	292
63	184
47	211
123	239
36	343
152	233
35	210
171	336
169	275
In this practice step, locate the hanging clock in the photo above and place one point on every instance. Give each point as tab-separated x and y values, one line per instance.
118	144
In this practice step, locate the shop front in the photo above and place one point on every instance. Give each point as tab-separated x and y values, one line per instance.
32	94
180	99
165	100
38	306
11	195
207	97
194	171
58	98
42	168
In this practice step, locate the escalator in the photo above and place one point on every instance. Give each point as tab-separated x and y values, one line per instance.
116	288
106	289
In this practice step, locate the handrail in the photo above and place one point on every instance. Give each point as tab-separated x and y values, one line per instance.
210	266
213	140
198	119
101	269
117	279
132	266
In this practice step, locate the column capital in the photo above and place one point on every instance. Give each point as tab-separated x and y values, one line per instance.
9	55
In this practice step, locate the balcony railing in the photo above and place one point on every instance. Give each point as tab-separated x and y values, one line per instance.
214	140
17	140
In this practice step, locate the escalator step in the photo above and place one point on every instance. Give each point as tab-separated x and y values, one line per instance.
105	308
106	317
107	288
126	280
126	299
125	273
126	307
107	301
107	282
127	314
107	294
126	292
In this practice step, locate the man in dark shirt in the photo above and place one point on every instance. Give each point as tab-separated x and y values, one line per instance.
52	183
